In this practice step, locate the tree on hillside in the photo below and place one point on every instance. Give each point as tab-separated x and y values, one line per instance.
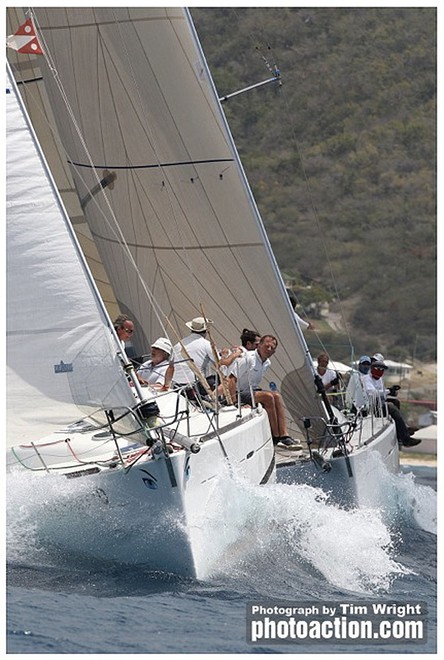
342	156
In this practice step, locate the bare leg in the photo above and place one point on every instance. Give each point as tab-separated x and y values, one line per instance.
280	415
267	399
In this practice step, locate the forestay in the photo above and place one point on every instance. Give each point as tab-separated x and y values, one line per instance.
62	362
145	107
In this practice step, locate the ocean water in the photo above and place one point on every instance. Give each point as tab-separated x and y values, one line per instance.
292	545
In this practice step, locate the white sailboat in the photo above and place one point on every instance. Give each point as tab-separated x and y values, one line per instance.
64	360
166	200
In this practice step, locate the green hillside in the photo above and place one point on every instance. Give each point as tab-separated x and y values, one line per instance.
341	157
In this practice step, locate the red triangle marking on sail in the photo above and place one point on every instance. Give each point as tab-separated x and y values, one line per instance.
25	39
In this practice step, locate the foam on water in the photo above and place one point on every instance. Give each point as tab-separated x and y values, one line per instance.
418	503
399	498
353	549
252	531
30	499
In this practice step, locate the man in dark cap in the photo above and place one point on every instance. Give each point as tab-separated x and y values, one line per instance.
374	386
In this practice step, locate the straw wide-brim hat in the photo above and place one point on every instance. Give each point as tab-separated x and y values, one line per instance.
199	324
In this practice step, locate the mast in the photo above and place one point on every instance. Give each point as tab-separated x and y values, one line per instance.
179	226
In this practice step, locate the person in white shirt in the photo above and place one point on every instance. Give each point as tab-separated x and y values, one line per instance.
198	349
158	371
124	328
328	376
356	397
249	342
377	392
305	325
392	392
249	339
364	364
246	375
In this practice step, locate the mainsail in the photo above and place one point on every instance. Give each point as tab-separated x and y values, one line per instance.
146	114
62	362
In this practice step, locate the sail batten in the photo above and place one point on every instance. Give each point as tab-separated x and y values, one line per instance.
152	165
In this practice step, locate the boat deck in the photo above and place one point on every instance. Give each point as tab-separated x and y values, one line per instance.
287	457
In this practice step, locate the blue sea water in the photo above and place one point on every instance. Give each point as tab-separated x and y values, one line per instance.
299	547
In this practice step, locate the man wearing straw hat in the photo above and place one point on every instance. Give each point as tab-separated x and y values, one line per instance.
197	348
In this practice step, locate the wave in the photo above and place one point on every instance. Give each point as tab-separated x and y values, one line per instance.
270	538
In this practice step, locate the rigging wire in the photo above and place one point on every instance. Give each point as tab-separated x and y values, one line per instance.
111	220
168	188
261	45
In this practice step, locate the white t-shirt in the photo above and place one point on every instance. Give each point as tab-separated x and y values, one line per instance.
374	386
200	351
153	373
356	394
329	375
249	369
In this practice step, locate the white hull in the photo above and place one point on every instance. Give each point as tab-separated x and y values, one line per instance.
147	510
163	512
351	480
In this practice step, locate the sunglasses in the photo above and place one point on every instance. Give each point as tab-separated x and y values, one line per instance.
128	330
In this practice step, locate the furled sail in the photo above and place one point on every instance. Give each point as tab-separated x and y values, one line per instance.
146	113
62	361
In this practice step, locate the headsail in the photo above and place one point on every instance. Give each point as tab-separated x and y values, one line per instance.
27	73
147	112
61	360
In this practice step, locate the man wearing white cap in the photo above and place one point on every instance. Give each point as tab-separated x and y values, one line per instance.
158	371
391	392
199	350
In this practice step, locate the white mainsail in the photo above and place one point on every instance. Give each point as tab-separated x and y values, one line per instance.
146	109
62	362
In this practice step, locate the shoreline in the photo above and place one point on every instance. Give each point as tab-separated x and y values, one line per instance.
428	460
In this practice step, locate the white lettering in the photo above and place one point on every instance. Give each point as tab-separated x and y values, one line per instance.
330	611
397	610
257	630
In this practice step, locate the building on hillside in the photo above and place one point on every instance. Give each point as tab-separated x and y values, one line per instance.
336	366
398	370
